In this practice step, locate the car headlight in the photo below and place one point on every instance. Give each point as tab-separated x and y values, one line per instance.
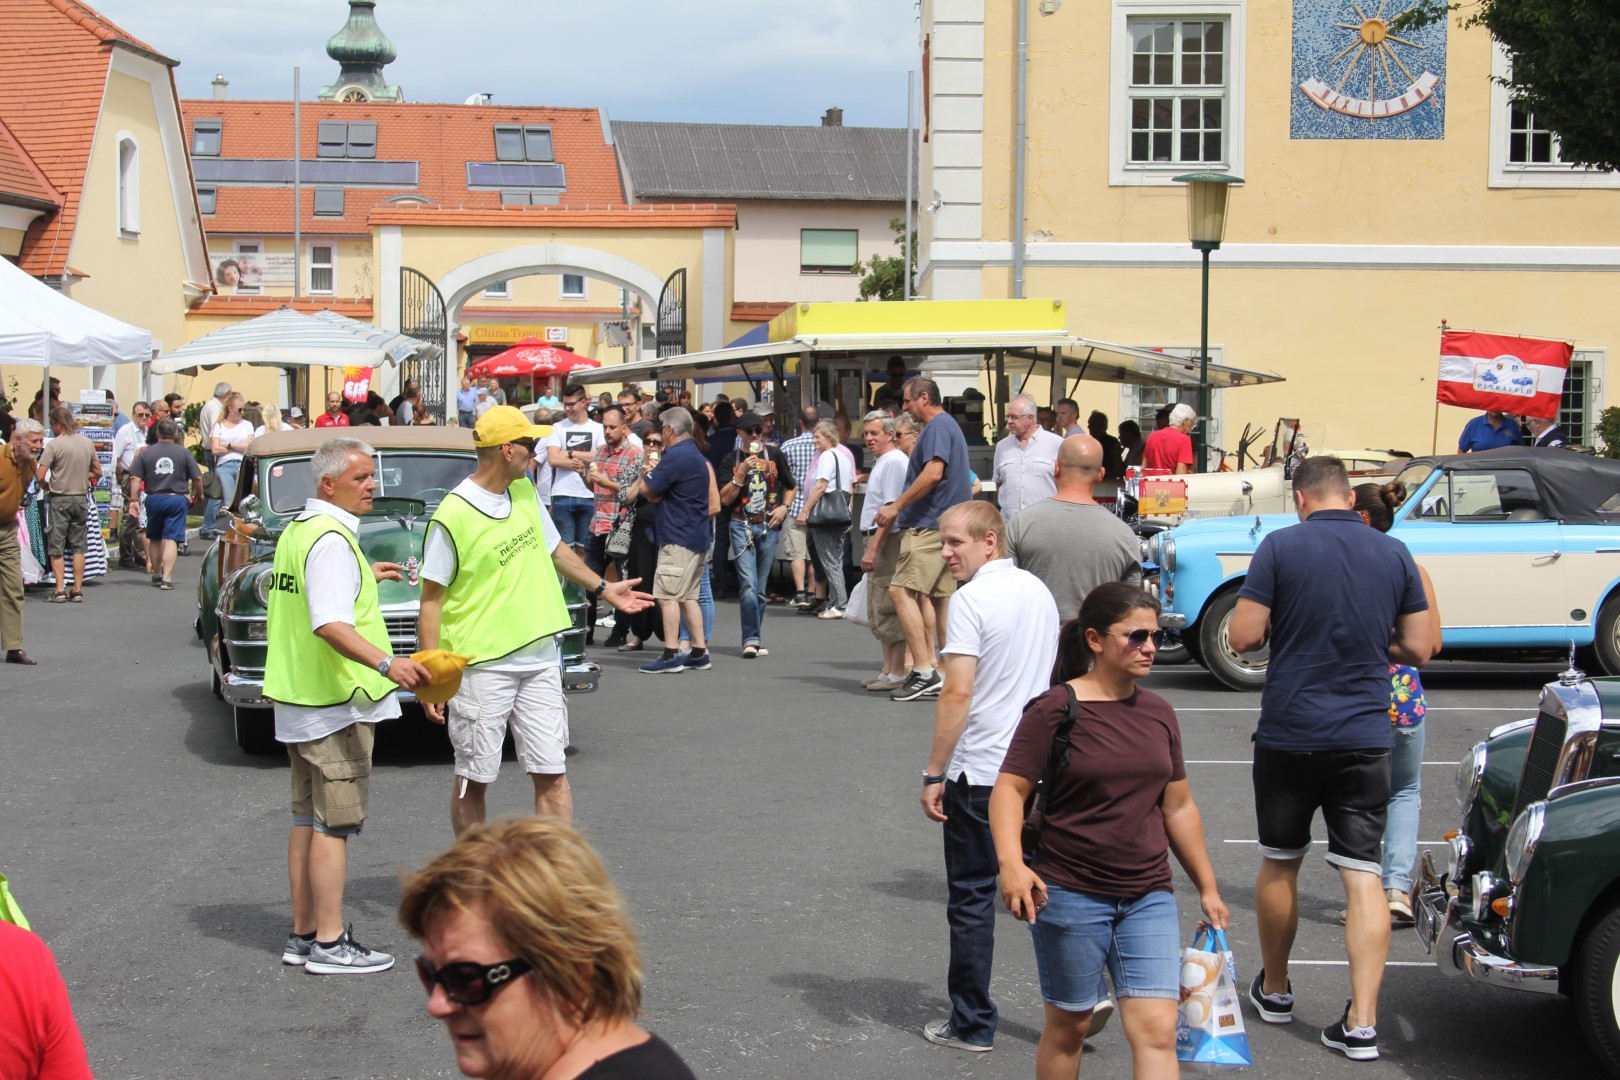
1522	838
261	586
1470	772
1145	546
1167	554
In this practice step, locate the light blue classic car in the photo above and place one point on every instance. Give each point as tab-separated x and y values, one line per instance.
1521	545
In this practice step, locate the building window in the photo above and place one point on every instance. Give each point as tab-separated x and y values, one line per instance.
514	198
573	287
1524	154
1176	96
1580	405
498	290
1527	143
329	202
828	251
205	136
346	139
129	186
322	269
207	199
522	143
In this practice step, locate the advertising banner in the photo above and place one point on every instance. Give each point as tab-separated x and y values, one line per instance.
356	384
248	272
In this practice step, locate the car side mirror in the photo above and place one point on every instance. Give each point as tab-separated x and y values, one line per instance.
250	510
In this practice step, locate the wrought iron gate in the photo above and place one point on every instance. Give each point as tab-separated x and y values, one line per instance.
672	315
422	315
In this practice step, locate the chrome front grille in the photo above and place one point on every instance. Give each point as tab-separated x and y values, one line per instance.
1540	761
401	633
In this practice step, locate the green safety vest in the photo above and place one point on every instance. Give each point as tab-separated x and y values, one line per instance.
301	669
505	595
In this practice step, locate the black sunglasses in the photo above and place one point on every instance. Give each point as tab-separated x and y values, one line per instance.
467	983
527	444
1139	638
757	429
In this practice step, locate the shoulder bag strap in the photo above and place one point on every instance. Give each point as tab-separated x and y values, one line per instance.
1058	759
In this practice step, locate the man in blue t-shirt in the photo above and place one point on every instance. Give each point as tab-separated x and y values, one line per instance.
1342	601
682	484
1488	432
937	478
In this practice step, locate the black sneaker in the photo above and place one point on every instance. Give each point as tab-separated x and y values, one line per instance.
1273	1008
800	600
1357	1044
917	685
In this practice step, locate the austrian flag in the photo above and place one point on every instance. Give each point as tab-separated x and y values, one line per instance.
1495	373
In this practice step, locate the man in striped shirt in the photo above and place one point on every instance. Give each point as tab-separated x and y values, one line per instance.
800	452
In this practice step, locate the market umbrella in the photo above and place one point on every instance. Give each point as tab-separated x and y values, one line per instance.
531	356
401	347
284	338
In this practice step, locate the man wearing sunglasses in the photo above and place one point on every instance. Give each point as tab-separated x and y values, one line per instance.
489	591
758	486
127	442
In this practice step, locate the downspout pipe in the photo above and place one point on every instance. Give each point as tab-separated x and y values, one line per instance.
1020	147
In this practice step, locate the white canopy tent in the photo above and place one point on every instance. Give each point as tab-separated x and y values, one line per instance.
40	327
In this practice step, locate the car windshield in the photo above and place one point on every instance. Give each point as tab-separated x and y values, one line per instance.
1414	477
428	477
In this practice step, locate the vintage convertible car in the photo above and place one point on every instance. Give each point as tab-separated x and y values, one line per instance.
416	467
1529	897
1520	544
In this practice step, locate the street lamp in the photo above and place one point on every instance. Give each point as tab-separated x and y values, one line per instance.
1206	227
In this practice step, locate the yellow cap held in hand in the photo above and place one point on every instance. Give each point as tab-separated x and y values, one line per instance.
445	669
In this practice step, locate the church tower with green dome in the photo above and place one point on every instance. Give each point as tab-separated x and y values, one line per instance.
361	50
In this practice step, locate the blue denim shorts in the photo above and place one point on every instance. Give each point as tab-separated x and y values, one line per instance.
1077	933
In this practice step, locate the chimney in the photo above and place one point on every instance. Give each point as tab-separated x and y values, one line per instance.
833	117
220	83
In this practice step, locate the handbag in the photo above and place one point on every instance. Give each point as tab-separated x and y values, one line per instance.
833	506
618	541
1209	1021
1056	760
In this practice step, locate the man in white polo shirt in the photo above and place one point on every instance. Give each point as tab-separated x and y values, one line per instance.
882	545
1000	642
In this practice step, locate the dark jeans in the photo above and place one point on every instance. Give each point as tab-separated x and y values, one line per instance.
970	875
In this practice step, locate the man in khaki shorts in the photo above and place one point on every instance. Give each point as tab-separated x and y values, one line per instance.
67	468
332	674
937	478
887	438
683	486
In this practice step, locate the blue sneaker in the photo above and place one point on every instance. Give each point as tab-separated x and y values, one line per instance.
703	663
662	666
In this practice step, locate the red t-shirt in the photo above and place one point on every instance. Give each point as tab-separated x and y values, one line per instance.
1104	826
1167	448
328	420
38	1036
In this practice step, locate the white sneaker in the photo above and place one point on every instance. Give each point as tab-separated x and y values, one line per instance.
346	957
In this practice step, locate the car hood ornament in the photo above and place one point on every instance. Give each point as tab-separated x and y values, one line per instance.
1571	675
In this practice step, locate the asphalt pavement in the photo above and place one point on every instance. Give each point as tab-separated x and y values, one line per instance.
761	819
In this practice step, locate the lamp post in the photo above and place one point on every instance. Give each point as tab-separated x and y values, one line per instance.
1206	227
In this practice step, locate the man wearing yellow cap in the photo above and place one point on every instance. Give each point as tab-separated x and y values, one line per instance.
489	591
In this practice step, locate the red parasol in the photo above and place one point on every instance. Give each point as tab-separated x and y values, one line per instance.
531	356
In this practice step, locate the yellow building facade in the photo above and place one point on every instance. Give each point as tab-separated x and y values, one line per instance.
1387	184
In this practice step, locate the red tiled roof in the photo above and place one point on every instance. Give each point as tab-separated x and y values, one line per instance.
19	176
654	216
532	314
441	139
244	307
53	71
757	311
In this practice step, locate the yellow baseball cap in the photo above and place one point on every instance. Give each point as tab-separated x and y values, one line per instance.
504	424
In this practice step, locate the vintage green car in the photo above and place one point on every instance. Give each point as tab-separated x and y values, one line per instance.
416	468
1529	897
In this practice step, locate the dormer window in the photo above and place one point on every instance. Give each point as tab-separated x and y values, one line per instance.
346	139
205	137
526	142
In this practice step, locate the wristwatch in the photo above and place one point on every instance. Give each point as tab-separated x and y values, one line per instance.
929	780
383	665
601	587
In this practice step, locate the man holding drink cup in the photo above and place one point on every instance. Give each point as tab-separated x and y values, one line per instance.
758	486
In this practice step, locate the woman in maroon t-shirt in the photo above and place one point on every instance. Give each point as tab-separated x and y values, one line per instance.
1097	890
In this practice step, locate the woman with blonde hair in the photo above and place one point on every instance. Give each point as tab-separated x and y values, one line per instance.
272	420
832	474
529	958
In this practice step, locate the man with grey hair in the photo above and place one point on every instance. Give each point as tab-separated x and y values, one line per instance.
212	410
683	486
1170	449
332	674
1025	459
17	458
882	544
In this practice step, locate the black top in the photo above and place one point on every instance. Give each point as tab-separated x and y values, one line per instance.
1573	487
654	1059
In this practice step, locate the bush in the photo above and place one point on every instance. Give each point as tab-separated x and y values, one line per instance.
1608	432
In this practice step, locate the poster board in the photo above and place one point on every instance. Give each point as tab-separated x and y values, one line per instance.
94	413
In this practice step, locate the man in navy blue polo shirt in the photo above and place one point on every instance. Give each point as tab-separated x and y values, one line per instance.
682	484
1342	601
1487	432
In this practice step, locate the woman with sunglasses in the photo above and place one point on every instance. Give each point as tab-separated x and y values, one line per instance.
1097	889
529	958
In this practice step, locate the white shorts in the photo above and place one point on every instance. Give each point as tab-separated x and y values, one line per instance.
531	702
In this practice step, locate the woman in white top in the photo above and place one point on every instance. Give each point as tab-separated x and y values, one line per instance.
230	440
272	421
832	473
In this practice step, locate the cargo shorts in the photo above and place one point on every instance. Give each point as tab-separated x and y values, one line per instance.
331	780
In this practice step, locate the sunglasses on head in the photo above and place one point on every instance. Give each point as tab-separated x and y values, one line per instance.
467	983
1138	638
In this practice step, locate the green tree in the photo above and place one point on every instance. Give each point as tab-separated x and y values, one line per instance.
1608	432
1566	65
884	277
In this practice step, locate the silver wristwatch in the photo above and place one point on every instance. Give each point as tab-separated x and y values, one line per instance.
383	664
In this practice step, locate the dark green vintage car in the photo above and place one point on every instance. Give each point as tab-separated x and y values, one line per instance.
1529	897
416	468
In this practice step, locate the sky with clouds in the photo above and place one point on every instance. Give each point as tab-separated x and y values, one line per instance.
714	61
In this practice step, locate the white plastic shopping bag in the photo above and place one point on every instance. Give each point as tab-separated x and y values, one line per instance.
1209	1021
855	609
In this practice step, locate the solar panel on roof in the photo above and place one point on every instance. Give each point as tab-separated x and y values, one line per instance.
511	174
269	172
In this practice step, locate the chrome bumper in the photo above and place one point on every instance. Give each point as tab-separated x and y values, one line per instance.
1437	919
1170	620
244	693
